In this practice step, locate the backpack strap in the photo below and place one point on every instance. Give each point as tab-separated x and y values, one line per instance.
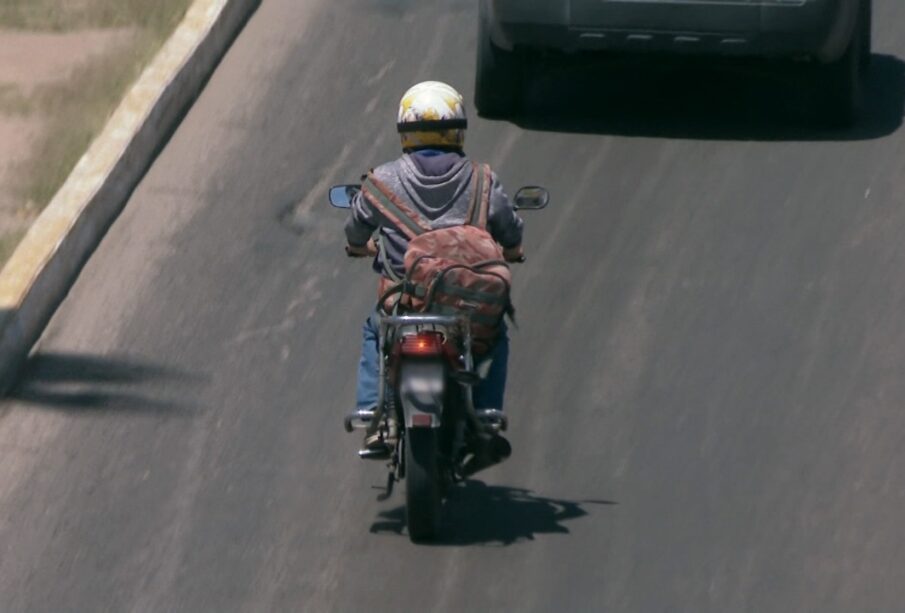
385	260
391	206
479	209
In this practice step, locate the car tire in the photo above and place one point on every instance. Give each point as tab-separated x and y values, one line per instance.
499	78
838	84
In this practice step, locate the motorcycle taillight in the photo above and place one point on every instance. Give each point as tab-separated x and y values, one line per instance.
422	344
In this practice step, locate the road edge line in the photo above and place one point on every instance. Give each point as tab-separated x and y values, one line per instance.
48	260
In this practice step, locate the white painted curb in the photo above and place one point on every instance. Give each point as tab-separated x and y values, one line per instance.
48	260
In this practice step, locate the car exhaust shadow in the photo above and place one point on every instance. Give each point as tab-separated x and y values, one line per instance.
693	100
481	514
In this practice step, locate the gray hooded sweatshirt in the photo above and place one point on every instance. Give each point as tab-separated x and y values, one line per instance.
439	185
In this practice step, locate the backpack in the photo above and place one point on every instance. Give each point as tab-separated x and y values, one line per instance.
449	271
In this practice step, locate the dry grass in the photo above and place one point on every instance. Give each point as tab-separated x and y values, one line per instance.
158	16
77	109
8	243
13	101
76	112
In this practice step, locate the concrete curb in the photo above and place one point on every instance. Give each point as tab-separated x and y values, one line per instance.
48	260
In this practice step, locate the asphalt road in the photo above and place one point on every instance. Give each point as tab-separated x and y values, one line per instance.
707	386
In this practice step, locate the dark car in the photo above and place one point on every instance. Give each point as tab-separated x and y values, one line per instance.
830	40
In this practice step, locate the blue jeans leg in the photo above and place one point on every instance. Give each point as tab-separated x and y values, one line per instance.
367	393
489	394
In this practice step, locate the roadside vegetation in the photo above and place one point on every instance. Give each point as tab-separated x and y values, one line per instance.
73	111
158	16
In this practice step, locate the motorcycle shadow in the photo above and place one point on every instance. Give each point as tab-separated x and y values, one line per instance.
481	514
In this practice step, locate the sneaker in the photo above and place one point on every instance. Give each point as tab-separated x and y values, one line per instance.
384	438
374	442
488	451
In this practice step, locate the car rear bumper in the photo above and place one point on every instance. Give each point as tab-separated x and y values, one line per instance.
753	28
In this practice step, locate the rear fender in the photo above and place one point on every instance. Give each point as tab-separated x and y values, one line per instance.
422	388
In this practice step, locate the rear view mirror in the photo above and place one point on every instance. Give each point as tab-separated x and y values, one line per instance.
341	195
531	198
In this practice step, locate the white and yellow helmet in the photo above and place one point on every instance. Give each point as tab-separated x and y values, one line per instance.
432	114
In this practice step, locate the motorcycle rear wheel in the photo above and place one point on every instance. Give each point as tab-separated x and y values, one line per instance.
422	484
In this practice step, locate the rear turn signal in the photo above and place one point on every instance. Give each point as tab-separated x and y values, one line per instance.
423	344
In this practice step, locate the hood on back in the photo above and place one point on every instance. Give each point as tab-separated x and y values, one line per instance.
435	179
435	163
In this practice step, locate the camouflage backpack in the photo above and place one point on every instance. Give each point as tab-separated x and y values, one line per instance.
449	271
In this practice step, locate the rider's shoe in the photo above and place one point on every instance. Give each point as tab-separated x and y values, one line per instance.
374	442
384	438
487	451
501	448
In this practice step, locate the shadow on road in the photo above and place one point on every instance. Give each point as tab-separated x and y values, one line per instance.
480	514
699	101
83	382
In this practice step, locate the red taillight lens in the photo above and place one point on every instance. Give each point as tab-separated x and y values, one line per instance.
422	344
422	420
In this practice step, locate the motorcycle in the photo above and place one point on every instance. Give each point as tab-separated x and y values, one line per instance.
436	438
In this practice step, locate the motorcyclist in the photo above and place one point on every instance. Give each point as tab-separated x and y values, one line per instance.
434	177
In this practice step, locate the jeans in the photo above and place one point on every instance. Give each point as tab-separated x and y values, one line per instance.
487	395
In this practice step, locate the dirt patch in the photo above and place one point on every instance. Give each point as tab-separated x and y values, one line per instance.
159	16
30	63
29	59
16	136
64	67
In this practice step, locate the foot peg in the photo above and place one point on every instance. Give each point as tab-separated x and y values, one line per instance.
359	420
493	419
